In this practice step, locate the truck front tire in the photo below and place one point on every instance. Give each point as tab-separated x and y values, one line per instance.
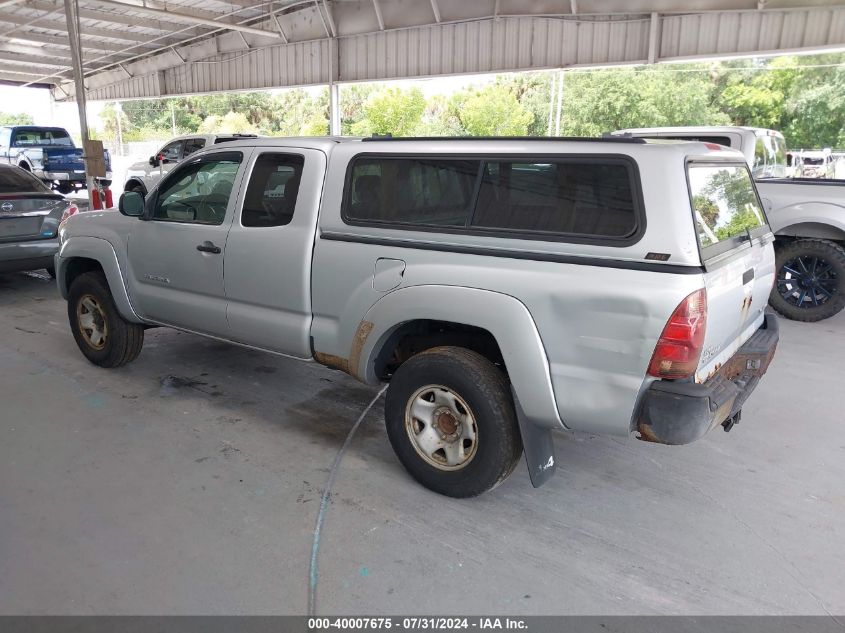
810	280
104	337
450	417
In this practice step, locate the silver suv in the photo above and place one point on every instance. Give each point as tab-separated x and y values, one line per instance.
504	288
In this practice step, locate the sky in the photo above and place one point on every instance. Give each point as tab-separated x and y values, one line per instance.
37	102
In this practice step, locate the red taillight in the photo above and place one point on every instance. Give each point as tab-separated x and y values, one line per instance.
71	210
712	146
679	347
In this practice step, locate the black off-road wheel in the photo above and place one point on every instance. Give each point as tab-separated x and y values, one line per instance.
810	283
451	420
104	337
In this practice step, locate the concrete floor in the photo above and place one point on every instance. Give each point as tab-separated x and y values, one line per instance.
189	481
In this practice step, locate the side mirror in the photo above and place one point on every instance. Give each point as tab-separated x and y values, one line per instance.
131	204
153	161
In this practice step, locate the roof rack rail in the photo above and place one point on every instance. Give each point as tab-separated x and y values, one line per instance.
580	139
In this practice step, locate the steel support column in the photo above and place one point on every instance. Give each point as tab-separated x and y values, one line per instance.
334	91
72	18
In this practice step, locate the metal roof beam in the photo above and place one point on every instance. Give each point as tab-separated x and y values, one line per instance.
7	60
43	51
330	17
379	16
56	40
142	5
101	16
189	19
281	30
435	8
19	75
61	28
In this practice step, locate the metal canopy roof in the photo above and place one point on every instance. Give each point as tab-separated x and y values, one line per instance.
143	48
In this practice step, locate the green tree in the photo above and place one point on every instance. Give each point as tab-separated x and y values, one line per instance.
19	118
159	115
440	118
298	114
229	123
109	123
707	208
533	91
753	92
391	111
815	107
352	100
494	111
600	101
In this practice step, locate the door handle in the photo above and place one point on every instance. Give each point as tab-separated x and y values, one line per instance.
208	247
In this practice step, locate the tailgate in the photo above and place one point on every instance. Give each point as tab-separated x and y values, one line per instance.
64	159
737	252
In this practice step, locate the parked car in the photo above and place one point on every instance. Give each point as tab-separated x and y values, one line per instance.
142	176
49	154
504	288
30	214
817	164
807	216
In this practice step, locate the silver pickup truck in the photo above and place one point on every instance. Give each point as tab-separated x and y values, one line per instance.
807	216
504	288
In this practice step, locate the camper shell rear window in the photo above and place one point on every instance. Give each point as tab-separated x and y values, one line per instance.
590	198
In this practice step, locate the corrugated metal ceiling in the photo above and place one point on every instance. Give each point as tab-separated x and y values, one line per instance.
143	48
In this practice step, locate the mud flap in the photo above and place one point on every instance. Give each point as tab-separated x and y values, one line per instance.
538	444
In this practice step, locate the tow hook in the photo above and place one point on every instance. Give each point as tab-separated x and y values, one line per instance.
730	422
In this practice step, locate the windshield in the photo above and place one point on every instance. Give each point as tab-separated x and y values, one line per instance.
724	202
16	180
813	161
40	137
769	157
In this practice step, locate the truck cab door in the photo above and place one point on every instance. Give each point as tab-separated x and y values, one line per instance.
176	253
269	251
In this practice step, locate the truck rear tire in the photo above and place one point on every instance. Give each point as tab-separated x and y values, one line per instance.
450	417
104	337
810	280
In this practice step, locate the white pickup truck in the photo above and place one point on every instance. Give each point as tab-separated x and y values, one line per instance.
807	216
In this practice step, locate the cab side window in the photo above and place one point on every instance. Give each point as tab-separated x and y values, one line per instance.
272	191
193	145
172	152
198	192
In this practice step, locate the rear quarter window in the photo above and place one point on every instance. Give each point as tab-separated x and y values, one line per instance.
557	198
724	204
